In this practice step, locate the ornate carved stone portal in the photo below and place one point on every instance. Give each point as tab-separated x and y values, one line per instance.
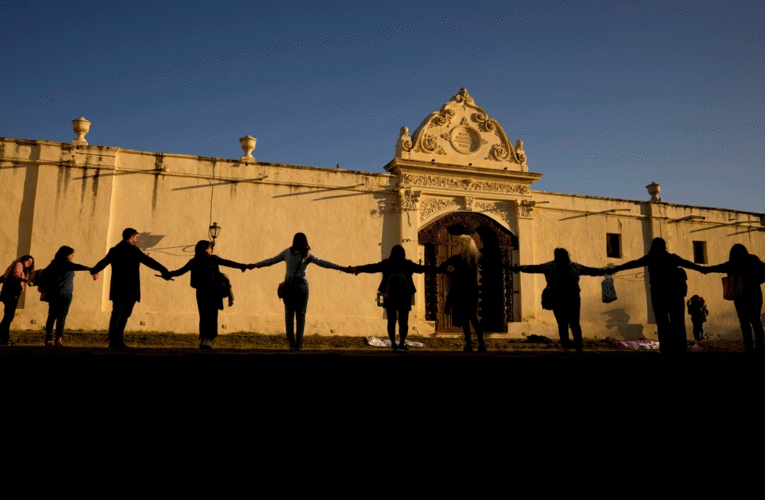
459	173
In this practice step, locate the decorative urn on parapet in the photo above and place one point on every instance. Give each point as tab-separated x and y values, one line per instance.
81	126
248	145
654	189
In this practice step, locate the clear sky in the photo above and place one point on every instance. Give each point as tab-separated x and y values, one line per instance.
607	96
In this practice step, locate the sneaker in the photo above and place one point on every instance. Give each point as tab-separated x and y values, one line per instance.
403	348
49	343
206	344
393	347
482	348
8	343
60	342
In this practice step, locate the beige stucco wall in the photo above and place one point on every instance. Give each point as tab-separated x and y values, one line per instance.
49	201
580	225
54	194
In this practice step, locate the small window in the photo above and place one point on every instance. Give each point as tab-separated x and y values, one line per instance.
614	246
700	252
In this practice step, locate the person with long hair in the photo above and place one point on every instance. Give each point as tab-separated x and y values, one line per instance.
668	291
57	287
295	287
463	297
206	278
14	279
397	288
749	270
562	277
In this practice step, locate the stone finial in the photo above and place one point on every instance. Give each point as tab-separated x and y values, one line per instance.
404	142
519	151
81	126
654	189
248	145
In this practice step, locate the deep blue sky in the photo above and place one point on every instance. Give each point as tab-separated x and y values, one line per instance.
608	96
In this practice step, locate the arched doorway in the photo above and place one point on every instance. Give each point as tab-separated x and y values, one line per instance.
495	291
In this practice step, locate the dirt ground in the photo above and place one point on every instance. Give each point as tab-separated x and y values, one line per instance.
252	343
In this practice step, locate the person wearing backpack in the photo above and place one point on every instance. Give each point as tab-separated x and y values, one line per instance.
211	288
563	293
697	308
397	289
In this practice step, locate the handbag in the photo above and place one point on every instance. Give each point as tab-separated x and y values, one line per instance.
287	289
608	290
549	298
733	286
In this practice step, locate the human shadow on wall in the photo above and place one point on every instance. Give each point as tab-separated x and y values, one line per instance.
618	322
147	241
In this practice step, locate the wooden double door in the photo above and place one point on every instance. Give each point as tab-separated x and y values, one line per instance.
495	287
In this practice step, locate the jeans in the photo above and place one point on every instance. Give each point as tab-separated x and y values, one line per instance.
669	310
748	309
10	311
567	314
294	309
58	308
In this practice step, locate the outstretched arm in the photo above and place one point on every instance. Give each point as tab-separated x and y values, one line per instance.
102	263
178	272
370	268
231	263
273	260
633	264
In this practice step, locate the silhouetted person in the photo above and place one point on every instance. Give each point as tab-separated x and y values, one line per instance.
668	290
57	286
205	278
463	297
125	289
397	288
562	277
697	308
14	280
297	258
747	267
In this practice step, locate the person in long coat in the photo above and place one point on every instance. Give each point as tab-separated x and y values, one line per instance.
668	291
397	289
750	270
463	297
206	279
125	287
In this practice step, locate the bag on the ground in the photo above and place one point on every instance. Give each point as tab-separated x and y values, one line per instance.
608	290
733	286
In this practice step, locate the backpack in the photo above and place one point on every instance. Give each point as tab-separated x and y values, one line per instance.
398	285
